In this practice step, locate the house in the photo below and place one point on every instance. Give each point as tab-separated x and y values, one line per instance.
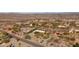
77	29
41	31
61	26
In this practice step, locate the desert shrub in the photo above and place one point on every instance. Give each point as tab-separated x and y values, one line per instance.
16	28
4	37
27	36
76	45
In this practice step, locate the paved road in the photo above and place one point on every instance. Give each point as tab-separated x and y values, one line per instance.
24	40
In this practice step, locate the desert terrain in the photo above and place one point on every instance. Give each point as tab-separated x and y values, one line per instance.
39	29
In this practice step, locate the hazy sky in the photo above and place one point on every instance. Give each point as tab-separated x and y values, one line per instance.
39	5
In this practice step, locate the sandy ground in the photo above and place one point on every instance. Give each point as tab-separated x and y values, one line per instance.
7	20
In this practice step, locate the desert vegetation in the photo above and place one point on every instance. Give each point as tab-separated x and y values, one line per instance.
46	30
